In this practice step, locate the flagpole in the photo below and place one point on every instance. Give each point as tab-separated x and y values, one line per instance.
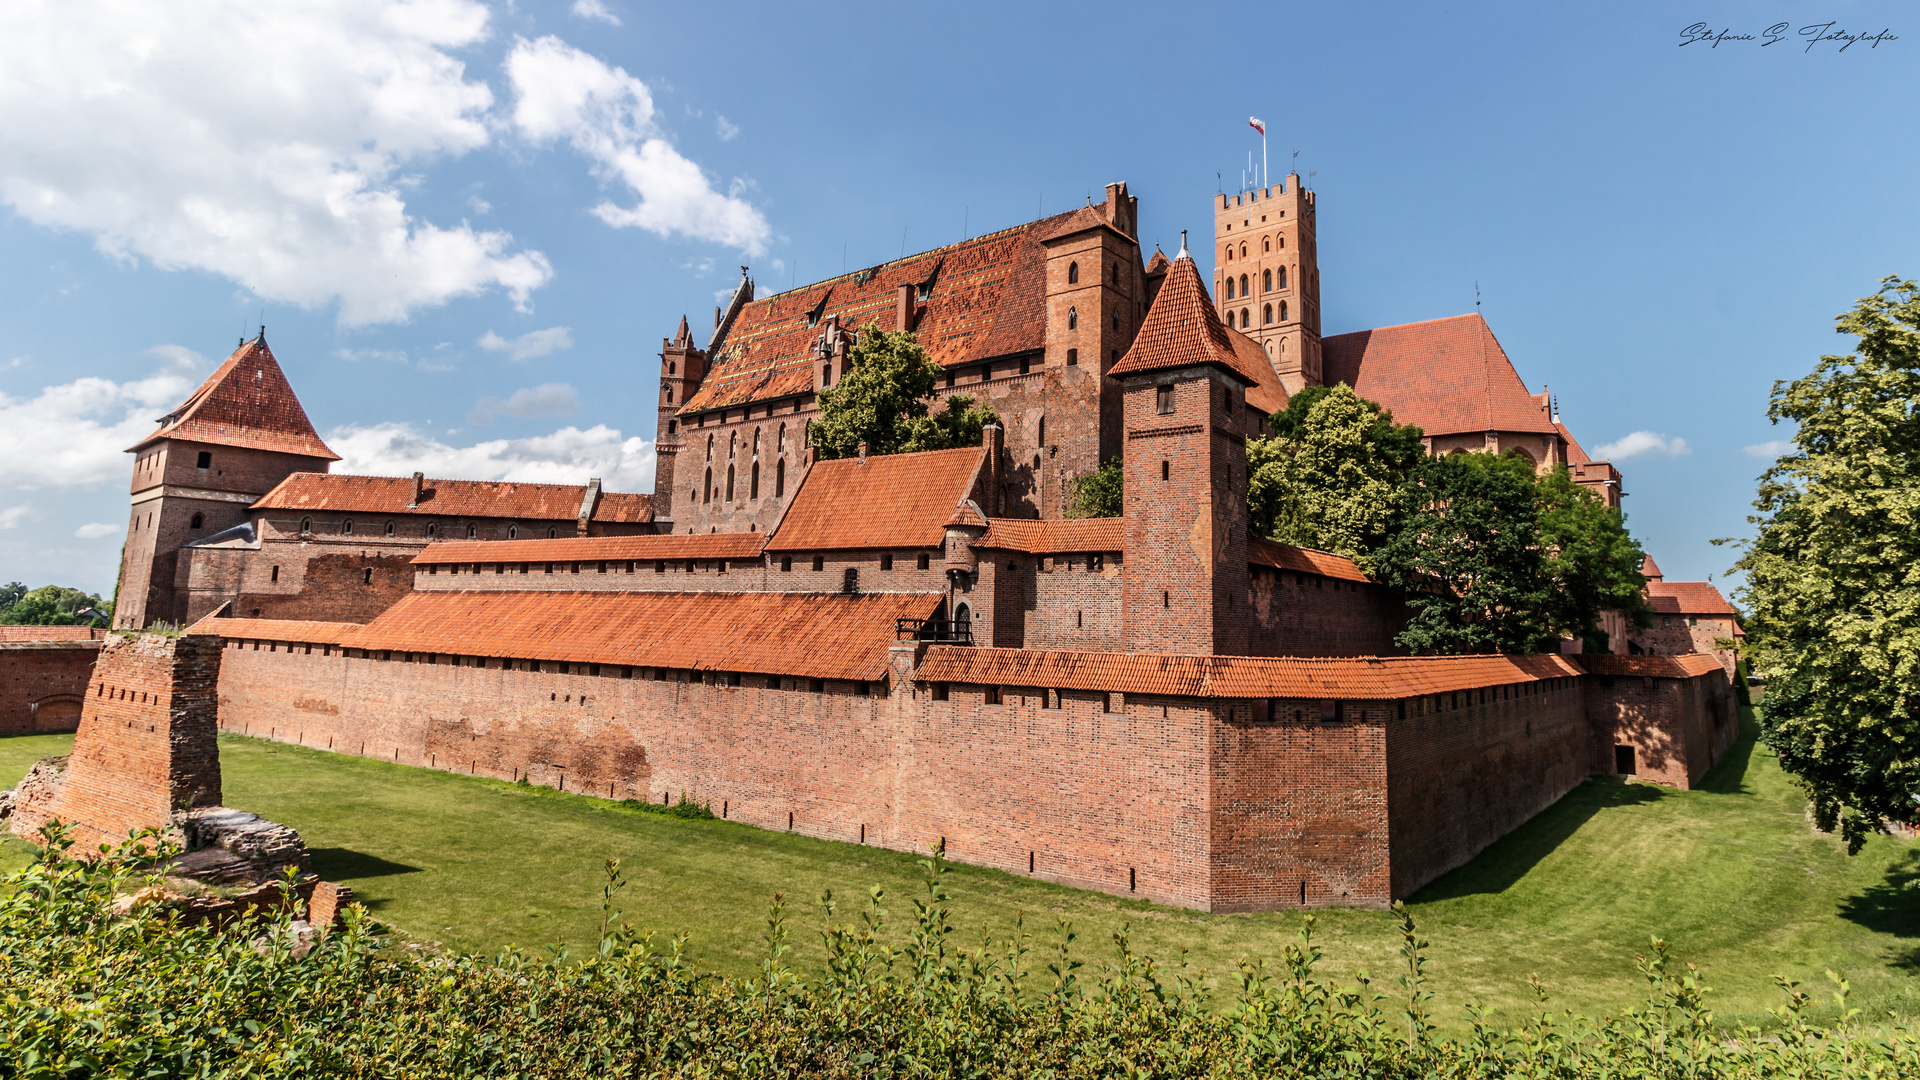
1265	173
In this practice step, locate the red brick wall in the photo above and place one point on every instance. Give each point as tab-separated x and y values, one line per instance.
146	744
1678	728
1467	768
1308	615
42	684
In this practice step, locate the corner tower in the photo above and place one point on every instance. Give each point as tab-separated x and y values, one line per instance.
1266	278
1184	578
228	444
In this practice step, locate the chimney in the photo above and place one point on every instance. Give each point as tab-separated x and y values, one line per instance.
990	441
716	316
417	479
903	308
863	451
589	503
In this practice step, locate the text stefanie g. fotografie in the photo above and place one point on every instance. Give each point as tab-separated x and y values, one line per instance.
1813	34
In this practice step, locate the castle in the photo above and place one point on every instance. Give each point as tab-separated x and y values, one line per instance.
912	648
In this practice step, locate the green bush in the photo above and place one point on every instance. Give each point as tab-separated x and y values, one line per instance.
84	992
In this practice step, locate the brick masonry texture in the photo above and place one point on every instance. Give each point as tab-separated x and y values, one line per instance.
43	683
146	744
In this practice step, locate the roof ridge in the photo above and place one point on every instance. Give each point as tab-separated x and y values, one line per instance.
1404	325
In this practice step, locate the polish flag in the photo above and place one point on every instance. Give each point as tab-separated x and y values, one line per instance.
1257	125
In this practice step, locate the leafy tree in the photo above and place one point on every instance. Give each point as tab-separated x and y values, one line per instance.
1331	475
49	605
10	594
1833	573
1467	555
1592	562
1099	494
882	401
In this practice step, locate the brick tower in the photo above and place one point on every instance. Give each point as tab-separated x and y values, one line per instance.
228	444
683	368
1266	278
1184	584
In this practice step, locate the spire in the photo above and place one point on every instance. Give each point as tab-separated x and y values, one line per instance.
1183	246
246	402
1183	330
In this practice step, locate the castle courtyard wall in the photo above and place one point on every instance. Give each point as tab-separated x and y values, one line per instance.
1678	728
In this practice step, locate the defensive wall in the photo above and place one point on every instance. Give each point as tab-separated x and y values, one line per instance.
43	676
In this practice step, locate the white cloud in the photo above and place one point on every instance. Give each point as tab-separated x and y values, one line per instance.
267	143
95	530
552	399
480	205
568	456
608	116
1769	449
78	432
595	9
1643	444
530	345
726	129
12	516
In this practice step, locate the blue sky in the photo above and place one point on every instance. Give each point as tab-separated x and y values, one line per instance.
467	226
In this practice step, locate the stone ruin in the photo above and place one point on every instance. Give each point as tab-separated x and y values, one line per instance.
146	756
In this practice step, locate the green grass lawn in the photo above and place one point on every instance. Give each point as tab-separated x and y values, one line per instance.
1732	875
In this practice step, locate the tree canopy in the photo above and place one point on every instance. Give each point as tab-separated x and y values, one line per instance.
1330	476
1100	493
50	605
882	401
1833	573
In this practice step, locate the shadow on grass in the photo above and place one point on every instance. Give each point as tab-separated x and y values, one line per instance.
1729	775
1509	858
1892	907
339	864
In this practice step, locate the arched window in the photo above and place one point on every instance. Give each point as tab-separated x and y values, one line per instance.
963	621
756	444
306	526
669	367
1283	277
346	527
1283	311
1243	286
513	532
1266	313
552	532
1266	244
196	522
733	443
1073	318
729	483
1243	249
1266	281
709	448
433	529
781	446
1282	241
1073	273
1246	318
753	481
708	497
780	478
1229	252
667	393
389	528
1229	288
473	531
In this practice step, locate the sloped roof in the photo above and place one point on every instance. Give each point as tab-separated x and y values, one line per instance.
50	633
1685	666
1687	598
1267	395
1446	376
1045	537
1263	552
745	545
1183	330
1650	569
306	631
246	402
1159	263
1355	678
887	501
1576	454
340	493
988	300
811	635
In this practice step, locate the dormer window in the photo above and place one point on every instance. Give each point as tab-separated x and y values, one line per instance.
923	291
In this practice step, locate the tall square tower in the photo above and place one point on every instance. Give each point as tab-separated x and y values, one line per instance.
1266	279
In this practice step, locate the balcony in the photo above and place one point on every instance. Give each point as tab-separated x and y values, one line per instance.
938	630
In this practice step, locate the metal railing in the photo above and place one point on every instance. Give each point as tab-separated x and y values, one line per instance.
936	629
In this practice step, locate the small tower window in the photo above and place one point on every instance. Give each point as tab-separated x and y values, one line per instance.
346	527
729	483
780	478
196	522
1282	241
826	374
1266	245
1113	273
552	532
1229	288
1266	281
513	532
1283	277
1166	470
1243	249
1283	311
707	488
1246	318
389	528
1073	273
1163	398
1243	285
1229	252
669	367
433	529
473	531
709	445
753	482
1073	318
204	461
1073	357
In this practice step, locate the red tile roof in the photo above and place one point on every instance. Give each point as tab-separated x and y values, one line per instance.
246	402
1685	666
967	513
887	501
988	300
1045	537
1262	552
745	545
1576	454
51	633
291	630
1183	330
1447	376
1650	569
811	635
340	493
1159	263
1268	395
1357	678
1687	598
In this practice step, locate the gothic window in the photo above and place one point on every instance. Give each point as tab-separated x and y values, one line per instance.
1266	281
552	532
1229	252
753	483
780	478
473	531
389	528
1243	249
733	442
729	483
196	522
1041	438
346	527
781	446
1266	313
1283	311
1283	277
1282	241
1243	285
1073	273
669	367
709	486
513	532
433	529
667	391
1266	244
1246	318
1229	288
1073	318
709	448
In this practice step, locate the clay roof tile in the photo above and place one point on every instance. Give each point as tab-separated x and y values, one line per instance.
341	493
886	501
1183	330
1445	376
246	402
